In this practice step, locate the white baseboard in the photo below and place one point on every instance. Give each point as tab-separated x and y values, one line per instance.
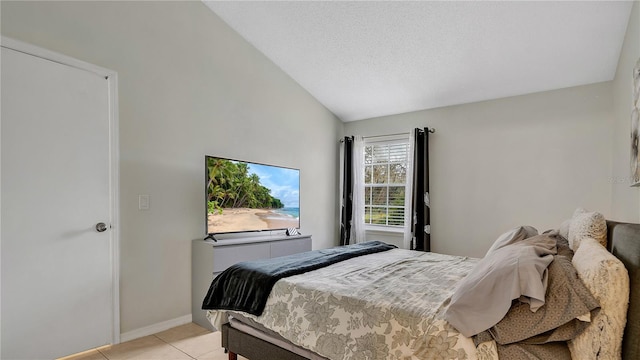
155	328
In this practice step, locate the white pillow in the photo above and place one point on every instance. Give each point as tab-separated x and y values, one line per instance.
564	229
587	224
607	279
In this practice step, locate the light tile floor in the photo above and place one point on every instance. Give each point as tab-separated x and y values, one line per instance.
185	342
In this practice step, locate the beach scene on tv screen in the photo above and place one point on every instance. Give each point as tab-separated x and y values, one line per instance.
251	197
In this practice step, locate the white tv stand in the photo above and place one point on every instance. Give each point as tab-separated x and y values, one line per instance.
209	258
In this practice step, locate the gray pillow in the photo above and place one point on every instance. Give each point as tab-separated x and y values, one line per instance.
567	299
555	351
517	270
563	247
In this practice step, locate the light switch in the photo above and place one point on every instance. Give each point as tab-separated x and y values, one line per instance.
143	202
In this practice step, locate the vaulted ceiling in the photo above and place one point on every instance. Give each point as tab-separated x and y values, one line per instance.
366	59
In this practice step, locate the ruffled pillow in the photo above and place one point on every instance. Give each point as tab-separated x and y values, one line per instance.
608	280
585	224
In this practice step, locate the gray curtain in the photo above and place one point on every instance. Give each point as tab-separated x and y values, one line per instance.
421	227
347	192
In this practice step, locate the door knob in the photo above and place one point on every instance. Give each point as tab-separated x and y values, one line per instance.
101	227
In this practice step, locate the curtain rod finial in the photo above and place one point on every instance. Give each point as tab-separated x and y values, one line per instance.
431	130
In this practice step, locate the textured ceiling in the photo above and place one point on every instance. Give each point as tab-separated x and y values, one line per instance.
368	59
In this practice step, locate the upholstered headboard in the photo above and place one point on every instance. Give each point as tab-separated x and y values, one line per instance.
624	243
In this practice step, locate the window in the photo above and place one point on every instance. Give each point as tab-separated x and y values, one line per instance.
385	178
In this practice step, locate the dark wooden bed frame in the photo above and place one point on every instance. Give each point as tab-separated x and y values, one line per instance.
624	243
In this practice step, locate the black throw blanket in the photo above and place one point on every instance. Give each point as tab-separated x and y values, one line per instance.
246	286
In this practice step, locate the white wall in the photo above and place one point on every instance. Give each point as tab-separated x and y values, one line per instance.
188	86
498	164
625	199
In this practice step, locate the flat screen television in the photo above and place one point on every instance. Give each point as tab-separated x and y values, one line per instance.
243	196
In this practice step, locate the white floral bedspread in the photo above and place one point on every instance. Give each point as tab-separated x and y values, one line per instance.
383	306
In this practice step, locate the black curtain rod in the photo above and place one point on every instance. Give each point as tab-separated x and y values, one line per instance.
431	130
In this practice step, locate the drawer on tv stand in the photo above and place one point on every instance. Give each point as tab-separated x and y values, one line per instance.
225	256
290	247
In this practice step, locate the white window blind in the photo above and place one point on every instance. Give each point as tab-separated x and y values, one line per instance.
385	178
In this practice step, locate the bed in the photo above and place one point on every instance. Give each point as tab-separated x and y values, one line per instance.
324	294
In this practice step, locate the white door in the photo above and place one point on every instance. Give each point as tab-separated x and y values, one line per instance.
57	270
